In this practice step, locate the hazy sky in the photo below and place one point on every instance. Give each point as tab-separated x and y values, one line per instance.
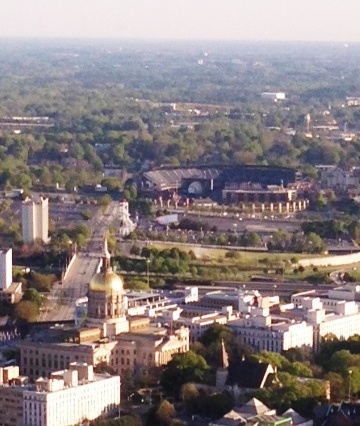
320	20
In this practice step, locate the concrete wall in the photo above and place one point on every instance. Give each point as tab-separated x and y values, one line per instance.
346	259
69	267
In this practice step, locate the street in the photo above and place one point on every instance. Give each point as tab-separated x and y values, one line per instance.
60	303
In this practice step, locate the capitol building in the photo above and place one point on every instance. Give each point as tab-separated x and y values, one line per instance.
109	336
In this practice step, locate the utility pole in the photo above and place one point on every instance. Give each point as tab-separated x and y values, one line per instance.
349	393
148	271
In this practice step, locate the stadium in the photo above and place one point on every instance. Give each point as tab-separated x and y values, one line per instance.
210	181
254	188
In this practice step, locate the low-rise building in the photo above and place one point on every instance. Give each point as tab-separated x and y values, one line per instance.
198	325
248	414
240	300
273	96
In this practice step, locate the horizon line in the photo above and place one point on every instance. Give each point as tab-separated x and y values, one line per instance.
172	40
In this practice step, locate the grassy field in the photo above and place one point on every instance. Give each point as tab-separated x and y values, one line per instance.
214	263
220	254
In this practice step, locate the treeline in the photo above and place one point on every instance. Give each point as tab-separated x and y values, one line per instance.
117	111
334	229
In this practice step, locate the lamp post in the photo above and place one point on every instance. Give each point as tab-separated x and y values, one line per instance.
349	394
147	271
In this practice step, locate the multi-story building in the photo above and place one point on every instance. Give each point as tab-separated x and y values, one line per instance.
9	292
11	397
35	220
11	406
264	332
340	318
5	268
198	325
240	300
68	397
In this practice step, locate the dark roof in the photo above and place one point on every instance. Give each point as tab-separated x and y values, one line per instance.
246	374
339	414
172	177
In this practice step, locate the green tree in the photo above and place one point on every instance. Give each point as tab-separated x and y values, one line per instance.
189	394
40	282
337	386
212	340
26	311
32	295
316	244
273	358
183	368
340	362
104	200
135	250
298	369
165	413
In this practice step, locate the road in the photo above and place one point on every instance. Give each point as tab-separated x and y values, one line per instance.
240	224
60	303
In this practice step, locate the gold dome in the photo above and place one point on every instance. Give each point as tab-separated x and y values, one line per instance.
108	282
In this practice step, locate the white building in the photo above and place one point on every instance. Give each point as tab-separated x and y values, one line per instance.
5	269
340	318
262	332
35	220
273	96
70	397
126	224
198	325
10	292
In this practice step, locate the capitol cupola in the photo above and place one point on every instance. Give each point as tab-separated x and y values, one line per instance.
106	298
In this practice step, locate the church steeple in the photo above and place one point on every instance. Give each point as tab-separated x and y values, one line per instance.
224	355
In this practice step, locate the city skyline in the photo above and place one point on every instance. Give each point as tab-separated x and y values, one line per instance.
276	20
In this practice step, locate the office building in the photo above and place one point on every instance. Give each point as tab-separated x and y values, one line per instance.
5	269
339	318
265	332
199	324
10	292
35	220
68	397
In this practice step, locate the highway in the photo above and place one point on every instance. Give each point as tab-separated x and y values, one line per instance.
284	289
